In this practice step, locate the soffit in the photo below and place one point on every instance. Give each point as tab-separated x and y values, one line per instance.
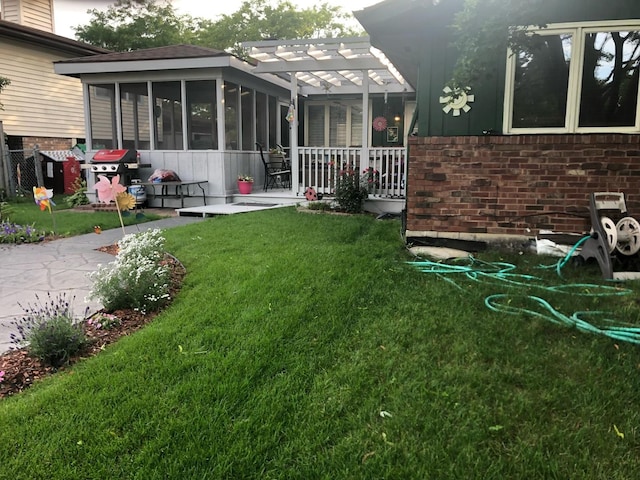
328	65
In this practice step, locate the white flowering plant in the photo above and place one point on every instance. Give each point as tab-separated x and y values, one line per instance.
138	278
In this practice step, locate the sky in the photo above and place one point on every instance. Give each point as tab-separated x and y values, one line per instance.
71	13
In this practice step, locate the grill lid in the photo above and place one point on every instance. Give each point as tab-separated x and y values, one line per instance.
114	156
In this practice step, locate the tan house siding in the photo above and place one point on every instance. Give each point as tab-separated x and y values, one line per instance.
30	13
39	102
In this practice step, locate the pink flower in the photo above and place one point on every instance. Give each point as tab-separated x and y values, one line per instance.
1	375
108	190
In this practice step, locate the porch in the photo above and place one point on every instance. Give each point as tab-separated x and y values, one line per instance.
383	169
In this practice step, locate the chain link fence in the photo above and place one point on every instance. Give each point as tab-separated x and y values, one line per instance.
21	171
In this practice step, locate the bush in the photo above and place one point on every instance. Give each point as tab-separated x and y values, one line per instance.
79	195
137	278
49	331
351	191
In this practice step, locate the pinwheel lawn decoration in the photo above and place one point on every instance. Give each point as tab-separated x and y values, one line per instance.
43	198
112	191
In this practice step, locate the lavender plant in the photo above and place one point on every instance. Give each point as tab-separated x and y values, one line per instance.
137	278
14	233
49	330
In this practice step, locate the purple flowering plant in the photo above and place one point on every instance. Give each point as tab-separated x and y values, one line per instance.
14	233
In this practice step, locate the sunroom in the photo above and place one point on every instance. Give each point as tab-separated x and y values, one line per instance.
201	112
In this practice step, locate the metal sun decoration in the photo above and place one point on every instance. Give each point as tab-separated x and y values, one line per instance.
379	124
456	100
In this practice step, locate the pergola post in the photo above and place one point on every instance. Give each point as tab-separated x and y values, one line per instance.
364	153
293	134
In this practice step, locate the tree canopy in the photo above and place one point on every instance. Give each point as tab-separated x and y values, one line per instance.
134	24
485	28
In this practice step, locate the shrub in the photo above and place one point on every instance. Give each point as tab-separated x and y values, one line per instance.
5	211
350	192
79	195
322	206
137	278
49	331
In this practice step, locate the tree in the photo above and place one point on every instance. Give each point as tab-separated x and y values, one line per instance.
3	83
135	24
484	30
261	20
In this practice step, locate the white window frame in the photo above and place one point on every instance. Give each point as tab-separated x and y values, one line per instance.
327	107
574	87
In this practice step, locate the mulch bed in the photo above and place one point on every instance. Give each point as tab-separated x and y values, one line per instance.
22	370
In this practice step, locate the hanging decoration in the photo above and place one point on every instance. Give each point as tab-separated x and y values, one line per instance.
379	124
291	113
456	100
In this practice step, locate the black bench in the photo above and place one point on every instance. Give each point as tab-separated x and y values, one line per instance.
180	190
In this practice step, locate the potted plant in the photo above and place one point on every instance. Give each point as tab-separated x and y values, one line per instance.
276	153
245	184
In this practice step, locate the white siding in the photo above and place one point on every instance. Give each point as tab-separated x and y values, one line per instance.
30	13
39	102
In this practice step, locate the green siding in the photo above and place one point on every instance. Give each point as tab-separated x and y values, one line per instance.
437	58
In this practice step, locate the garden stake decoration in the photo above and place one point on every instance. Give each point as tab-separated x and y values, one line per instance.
112	191
42	197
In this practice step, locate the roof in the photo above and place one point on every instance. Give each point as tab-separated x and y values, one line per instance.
42	38
329	65
172	57
399	28
157	53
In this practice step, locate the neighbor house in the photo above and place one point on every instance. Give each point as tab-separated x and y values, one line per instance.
40	107
525	146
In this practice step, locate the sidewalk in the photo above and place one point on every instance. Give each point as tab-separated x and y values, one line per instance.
56	267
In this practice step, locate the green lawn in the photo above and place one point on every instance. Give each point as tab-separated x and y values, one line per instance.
304	347
66	222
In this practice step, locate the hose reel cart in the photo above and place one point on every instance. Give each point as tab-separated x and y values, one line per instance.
614	238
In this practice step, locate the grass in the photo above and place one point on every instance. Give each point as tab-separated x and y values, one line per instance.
304	347
68	222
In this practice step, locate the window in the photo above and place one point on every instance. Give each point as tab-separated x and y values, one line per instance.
248	118
231	118
167	110
336	124
575	78
134	110
261	118
102	113
202	120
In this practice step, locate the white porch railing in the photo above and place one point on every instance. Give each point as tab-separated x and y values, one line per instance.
385	169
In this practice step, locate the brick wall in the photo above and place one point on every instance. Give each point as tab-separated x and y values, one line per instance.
517	184
48	143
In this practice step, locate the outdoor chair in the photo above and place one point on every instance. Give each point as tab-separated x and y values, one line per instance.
274	172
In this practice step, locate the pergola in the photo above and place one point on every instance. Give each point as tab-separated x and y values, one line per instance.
329	65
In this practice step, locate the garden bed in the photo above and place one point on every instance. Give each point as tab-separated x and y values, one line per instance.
21	370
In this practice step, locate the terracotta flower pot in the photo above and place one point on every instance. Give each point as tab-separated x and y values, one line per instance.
245	188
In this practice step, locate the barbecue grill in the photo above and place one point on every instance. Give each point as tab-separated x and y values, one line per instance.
116	162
